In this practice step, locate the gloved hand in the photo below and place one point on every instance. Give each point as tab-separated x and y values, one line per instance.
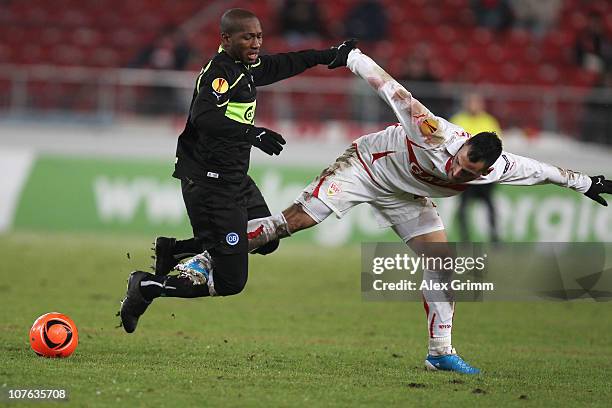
342	53
266	140
599	185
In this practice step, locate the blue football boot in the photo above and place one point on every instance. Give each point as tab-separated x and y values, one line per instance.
449	362
196	269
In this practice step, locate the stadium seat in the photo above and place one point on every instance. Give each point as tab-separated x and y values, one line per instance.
112	33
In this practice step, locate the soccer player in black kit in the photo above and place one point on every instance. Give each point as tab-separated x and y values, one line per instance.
212	160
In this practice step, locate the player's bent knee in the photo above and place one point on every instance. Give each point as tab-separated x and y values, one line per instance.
229	289
230	272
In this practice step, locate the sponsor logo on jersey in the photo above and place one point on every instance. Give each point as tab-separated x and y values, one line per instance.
242	112
249	113
333	189
232	238
419	173
220	85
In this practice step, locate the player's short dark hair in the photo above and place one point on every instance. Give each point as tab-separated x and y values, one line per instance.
485	147
232	18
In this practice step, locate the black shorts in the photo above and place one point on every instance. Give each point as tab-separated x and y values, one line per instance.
219	211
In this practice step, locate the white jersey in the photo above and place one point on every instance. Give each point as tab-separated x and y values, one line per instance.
415	155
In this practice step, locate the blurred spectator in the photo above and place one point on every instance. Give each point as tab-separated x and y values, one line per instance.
593	48
597	119
169	51
367	21
474	119
537	16
300	20
416	69
493	14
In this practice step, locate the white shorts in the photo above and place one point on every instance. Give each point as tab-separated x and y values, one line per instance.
346	184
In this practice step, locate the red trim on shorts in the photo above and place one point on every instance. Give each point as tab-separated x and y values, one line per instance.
424	176
364	165
431	326
315	192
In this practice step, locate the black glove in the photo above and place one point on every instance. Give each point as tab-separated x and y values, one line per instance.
342	53
599	185
266	140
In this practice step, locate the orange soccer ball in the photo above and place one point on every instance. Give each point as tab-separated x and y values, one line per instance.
54	335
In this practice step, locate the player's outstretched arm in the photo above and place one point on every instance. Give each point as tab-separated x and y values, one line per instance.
387	88
410	112
273	68
524	171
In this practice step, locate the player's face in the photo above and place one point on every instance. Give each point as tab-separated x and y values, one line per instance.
463	170
244	44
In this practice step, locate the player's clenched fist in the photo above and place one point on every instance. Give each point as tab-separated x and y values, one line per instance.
599	185
342	53
266	140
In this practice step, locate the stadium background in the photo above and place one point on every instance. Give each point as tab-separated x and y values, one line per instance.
92	100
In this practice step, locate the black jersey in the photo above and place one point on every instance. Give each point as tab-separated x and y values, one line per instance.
214	144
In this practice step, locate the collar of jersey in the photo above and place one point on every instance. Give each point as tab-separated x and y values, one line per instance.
453	147
221	50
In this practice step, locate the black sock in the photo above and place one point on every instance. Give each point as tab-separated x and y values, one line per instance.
187	247
171	286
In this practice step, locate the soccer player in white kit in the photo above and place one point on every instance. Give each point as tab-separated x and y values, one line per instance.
397	171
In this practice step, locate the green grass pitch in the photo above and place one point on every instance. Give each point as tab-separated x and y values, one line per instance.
299	335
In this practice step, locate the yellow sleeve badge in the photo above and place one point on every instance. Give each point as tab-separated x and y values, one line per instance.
219	85
428	127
